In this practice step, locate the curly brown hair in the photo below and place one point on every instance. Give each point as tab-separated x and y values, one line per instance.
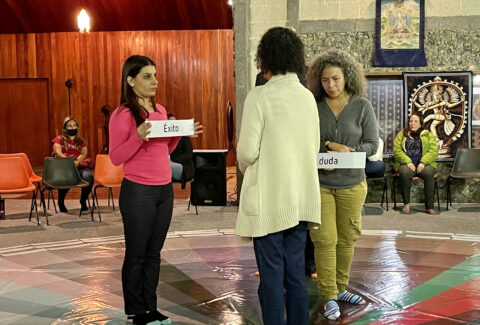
355	82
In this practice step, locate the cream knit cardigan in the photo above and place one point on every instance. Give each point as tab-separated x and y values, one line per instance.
277	153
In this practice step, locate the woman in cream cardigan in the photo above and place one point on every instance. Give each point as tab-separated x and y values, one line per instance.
277	152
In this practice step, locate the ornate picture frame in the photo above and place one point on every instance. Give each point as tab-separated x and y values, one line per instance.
444	100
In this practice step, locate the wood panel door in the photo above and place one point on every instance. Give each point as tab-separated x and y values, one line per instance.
24	118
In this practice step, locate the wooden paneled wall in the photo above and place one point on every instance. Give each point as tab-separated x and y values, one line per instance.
194	69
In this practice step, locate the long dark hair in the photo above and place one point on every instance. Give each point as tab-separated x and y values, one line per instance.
407	132
128	98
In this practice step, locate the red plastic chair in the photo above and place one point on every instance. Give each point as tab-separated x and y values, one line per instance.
106	175
14	179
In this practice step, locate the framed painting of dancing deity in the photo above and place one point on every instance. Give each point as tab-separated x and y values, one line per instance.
399	33
444	99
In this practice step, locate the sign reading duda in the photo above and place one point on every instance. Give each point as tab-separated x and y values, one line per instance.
341	160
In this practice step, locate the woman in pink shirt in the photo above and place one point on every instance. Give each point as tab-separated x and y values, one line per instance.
146	196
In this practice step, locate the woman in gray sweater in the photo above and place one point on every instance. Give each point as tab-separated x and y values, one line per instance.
347	124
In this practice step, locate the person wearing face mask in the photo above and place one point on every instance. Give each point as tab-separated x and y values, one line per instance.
70	144
146	194
415	150
347	124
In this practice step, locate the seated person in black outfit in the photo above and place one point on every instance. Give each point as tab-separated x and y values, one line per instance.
181	160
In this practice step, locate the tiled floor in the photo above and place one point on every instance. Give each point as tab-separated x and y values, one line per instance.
207	278
411	268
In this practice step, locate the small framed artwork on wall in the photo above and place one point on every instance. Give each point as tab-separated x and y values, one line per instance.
476	101
399	33
476	112
385	93
444	99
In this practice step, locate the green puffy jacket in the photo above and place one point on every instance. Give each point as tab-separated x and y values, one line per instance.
429	149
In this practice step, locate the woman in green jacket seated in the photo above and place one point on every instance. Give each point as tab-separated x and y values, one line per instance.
415	150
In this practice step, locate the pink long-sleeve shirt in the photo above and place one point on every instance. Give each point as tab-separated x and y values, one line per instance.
144	162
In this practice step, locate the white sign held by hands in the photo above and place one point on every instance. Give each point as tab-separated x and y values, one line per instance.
171	128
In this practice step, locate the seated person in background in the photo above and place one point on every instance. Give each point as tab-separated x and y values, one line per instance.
375	167
70	144
181	159
415	150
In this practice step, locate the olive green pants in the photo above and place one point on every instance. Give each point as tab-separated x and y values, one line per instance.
335	238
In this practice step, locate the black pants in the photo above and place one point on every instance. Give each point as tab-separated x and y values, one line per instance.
309	256
406	175
146	213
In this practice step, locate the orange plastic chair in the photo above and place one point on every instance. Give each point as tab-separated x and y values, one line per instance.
106	175
14	179
34	178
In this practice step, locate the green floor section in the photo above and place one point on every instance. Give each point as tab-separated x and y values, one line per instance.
459	274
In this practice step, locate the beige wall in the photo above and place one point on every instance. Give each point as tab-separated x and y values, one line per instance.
452	26
253	17
264	14
365	9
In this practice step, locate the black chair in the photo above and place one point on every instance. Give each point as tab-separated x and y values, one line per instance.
379	176
465	165
397	175
60	173
183	181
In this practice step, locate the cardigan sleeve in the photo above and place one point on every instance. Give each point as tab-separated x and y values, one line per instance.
248	148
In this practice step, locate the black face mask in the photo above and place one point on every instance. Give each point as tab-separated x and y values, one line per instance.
72	132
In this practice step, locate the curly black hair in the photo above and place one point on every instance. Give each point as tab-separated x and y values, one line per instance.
280	51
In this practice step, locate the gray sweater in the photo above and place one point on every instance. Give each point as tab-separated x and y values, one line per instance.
355	127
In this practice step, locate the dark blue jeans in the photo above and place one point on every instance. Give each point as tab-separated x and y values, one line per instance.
146	213
281	263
